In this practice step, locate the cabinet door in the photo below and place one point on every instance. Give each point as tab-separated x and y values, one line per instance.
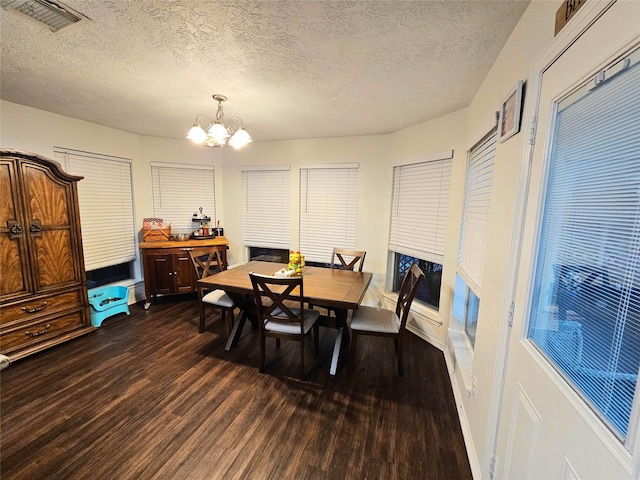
184	273
15	280
161	273
50	231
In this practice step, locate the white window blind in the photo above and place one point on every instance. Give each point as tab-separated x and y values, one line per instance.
105	198
328	207
266	193
586	303
419	208
180	190
475	217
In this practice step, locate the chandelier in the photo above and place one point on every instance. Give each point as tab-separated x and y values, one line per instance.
218	132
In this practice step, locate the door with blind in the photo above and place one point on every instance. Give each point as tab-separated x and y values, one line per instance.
570	401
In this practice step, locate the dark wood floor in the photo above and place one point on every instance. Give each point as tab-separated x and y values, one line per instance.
146	397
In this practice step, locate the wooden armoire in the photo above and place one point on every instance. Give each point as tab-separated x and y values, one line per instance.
43	289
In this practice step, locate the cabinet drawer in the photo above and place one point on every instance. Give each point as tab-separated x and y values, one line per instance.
35	308
27	334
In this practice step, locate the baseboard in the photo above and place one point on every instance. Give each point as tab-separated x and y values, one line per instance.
430	339
474	461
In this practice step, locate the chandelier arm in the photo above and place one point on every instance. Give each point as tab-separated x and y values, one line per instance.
234	127
203	115
219	132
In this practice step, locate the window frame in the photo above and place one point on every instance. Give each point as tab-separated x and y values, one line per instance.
479	180
271	182
112	241
183	206
328	220
407	213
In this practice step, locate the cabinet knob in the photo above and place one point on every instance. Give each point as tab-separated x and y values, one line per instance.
36	228
15	229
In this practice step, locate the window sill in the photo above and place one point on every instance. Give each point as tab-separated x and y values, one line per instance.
461	354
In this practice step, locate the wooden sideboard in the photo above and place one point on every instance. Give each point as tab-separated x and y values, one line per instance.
168	270
43	290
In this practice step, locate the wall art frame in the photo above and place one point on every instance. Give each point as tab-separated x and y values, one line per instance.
510	112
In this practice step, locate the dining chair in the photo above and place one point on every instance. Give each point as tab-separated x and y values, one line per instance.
387	323
349	259
209	261
281	315
344	259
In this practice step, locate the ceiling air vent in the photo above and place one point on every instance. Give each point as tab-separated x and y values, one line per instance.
53	14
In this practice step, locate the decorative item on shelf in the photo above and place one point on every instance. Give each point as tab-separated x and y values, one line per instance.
154	230
203	231
200	217
218	132
152	223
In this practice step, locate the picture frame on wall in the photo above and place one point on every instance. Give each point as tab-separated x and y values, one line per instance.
510	111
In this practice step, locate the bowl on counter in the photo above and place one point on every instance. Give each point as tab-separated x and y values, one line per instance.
180	237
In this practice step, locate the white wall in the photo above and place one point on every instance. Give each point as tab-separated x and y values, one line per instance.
33	130
532	34
38	131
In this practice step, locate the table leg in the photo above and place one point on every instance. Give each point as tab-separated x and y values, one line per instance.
342	336
336	352
234	336
246	306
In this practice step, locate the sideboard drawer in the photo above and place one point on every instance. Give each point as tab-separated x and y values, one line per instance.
34	308
27	334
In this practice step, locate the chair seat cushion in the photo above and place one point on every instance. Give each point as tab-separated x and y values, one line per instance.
310	317
218	298
374	319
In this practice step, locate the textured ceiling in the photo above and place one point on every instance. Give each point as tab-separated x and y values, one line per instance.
291	69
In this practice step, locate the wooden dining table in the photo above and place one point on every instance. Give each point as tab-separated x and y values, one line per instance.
341	290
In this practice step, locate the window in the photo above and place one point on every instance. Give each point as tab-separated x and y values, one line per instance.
419	207
465	308
266	206
328	206
276	255
473	234
429	290
106	275
585	314
180	190
105	198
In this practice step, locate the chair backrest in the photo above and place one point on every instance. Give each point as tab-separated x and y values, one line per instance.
275	300
354	258
207	260
408	290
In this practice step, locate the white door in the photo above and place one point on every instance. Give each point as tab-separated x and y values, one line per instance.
546	428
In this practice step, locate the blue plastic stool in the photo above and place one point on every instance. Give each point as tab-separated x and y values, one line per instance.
105	302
